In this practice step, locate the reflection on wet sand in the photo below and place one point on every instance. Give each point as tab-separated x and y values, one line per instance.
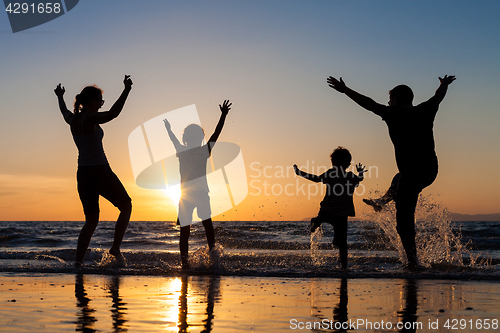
407	302
340	310
192	292
195	304
118	307
183	307
212	294
340	317
408	314
86	319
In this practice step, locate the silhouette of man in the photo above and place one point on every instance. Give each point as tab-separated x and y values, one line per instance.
411	132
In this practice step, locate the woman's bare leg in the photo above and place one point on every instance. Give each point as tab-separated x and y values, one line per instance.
85	236
120	228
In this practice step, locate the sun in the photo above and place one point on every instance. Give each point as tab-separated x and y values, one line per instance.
174	193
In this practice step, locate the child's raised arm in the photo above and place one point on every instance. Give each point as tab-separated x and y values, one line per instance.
306	175
224	109
67	114
172	136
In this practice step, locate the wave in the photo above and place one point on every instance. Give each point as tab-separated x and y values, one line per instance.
447	249
279	263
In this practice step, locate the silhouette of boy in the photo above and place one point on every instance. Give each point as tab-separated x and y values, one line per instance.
193	158
337	204
411	132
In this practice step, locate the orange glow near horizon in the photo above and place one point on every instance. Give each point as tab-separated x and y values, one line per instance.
174	193
272	197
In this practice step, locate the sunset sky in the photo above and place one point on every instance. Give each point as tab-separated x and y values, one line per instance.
271	59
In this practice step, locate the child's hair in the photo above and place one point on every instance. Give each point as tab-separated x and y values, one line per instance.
193	135
88	93
341	157
403	93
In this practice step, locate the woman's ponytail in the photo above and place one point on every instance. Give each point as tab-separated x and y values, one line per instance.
88	93
78	104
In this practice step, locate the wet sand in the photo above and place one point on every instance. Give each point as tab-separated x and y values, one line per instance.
113	303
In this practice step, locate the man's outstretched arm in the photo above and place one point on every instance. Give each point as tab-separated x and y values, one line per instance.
443	87
363	101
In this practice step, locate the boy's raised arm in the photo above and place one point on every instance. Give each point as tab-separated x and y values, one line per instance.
306	175
172	136
443	87
363	101
67	114
224	109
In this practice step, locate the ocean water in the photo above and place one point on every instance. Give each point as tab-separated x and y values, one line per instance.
447	249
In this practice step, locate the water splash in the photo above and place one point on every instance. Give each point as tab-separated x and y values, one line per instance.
110	261
438	242
49	257
203	258
316	257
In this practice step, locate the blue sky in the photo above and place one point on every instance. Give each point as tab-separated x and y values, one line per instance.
271	59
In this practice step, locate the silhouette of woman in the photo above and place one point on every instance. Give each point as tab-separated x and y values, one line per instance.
94	175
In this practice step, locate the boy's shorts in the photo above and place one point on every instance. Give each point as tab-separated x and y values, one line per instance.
339	224
98	180
200	201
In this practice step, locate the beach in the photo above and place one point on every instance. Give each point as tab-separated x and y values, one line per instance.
266	277
114	303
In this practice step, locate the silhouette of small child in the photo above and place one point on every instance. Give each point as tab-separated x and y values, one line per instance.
337	204
193	158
